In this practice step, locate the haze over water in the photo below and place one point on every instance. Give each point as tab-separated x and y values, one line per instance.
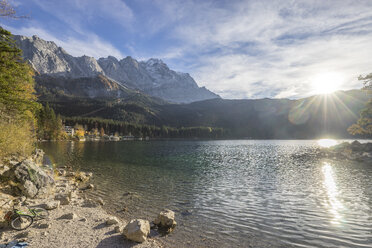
232	193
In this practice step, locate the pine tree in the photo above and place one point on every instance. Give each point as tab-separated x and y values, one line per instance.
17	100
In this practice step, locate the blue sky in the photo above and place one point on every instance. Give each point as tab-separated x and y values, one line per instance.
238	49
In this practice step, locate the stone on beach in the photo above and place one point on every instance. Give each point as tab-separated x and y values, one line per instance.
30	179
166	218
137	230
112	220
50	205
118	229
63	199
69	216
90	186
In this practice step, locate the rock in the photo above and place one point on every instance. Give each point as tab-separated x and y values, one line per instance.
112	220
2	235
28	188
89	203
137	230
61	172
72	195
30	179
3	169
22	235
100	201
90	186
83	219
50	205
44	225
38	156
69	216
118	229
166	219
70	174
82	176
63	199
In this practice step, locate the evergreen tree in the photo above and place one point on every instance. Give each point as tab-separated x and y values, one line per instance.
17	100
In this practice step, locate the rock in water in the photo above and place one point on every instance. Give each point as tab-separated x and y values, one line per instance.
137	230
31	179
166	219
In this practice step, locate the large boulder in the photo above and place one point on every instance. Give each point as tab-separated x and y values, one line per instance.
30	179
137	230
166	219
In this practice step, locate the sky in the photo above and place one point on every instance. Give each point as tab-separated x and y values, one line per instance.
237	49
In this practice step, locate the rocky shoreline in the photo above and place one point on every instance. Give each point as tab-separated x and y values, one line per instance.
354	151
75	220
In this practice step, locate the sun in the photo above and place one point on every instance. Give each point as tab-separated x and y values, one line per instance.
326	83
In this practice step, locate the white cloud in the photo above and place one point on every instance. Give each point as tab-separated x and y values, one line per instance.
90	44
274	48
267	48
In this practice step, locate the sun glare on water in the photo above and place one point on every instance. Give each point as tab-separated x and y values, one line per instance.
327	142
326	83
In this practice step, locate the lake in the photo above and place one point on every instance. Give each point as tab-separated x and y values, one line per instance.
238	193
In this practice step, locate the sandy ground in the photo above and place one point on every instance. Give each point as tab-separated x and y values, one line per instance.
87	229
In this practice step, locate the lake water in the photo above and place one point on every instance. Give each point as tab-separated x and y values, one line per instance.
231	193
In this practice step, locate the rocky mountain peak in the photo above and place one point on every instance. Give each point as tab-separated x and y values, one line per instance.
153	76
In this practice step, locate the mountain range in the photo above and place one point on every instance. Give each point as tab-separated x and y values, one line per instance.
150	93
152	77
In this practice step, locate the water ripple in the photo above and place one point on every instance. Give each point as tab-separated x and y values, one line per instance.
234	193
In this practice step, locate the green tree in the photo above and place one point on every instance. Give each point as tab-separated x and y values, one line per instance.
363	126
17	100
49	125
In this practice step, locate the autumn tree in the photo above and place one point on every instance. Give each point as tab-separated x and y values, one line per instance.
363	126
17	100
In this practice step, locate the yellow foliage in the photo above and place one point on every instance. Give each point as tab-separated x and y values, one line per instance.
16	138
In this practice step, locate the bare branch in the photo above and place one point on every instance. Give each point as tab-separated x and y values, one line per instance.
7	10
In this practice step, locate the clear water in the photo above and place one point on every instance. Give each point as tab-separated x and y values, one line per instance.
232	193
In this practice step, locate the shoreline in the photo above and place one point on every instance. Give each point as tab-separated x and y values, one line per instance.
75	220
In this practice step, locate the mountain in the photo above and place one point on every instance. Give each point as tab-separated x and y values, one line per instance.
307	118
131	91
152	77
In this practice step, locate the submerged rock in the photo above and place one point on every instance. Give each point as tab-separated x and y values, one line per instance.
166	218
137	230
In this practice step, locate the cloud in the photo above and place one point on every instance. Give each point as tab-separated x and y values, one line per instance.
90	44
237	48
282	45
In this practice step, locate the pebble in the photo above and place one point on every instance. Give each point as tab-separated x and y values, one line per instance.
112	220
69	216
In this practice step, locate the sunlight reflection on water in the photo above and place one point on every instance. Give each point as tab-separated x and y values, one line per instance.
334	204
327	142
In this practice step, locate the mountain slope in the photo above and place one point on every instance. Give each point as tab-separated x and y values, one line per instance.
152	77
